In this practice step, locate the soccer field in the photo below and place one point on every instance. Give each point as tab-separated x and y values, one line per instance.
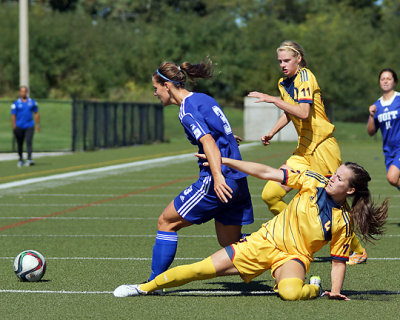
97	231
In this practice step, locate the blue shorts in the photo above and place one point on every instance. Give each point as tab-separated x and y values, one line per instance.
199	203
392	159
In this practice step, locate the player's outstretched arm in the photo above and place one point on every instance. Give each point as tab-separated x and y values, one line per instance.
258	170
337	277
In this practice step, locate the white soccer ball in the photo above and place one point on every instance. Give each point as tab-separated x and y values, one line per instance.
30	266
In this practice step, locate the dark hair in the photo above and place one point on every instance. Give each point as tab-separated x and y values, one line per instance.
369	218
391	71
170	71
295	48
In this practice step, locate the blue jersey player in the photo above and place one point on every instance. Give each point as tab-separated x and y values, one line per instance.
22	111
221	193
384	114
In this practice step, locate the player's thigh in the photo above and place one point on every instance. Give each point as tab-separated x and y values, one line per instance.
290	269
393	175
227	234
170	220
326	158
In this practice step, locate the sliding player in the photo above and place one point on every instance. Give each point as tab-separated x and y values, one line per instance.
317	149
220	193
286	244
384	114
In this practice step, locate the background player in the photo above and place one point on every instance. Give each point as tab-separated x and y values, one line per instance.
317	149
23	124
286	244
384	114
220	193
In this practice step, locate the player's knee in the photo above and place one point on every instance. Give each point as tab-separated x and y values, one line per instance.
393	180
290	289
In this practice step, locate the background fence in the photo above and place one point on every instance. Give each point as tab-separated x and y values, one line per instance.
113	124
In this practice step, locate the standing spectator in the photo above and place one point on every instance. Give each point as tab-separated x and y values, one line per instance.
23	123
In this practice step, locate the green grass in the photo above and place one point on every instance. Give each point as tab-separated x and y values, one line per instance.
55	126
124	227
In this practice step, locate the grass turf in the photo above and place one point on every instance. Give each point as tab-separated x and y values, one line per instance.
91	220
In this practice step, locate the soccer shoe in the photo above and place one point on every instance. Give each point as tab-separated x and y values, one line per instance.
357	258
316	280
20	163
29	163
128	290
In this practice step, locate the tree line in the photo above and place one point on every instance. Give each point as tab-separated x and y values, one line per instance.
108	50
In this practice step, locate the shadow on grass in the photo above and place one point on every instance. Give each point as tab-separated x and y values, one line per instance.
369	294
254	288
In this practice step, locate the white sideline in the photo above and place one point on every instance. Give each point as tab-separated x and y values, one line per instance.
205	292
163	160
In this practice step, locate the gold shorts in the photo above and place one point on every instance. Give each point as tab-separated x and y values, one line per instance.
325	159
255	255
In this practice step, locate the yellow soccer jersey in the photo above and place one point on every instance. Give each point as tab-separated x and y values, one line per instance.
303	88
311	219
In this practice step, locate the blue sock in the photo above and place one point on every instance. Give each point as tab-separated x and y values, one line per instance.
163	252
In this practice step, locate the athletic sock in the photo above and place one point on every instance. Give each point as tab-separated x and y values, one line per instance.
181	275
295	289
272	195
164	251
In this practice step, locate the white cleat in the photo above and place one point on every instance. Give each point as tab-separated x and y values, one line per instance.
316	280
128	290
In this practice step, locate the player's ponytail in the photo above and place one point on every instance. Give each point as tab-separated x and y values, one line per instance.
295	48
369	218
170	71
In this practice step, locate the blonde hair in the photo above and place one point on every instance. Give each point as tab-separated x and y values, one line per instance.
295	48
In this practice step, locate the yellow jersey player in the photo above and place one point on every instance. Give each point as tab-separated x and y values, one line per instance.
318	214
317	149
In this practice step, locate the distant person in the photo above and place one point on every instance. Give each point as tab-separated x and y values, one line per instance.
317	149
220	193
384	114
318	214
22	112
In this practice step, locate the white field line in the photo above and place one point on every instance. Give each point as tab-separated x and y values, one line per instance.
176	292
122	236
158	161
117	218
180	259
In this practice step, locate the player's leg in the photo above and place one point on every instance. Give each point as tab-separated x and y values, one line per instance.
166	242
393	176
19	136
29	143
273	194
227	235
219	264
290	279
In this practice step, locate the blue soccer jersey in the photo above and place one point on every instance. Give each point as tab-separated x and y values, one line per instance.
23	112
387	119
200	114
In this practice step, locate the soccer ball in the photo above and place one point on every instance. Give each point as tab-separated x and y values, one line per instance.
30	266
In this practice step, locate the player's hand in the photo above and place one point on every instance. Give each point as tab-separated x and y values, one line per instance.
336	296
238	139
266	139
262	97
37	128
202	156
372	110
223	191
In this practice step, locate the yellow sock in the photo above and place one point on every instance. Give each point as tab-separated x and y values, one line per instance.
295	289
272	195
355	245
181	275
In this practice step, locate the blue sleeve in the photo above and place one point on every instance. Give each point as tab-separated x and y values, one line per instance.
13	109
35	107
194	126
